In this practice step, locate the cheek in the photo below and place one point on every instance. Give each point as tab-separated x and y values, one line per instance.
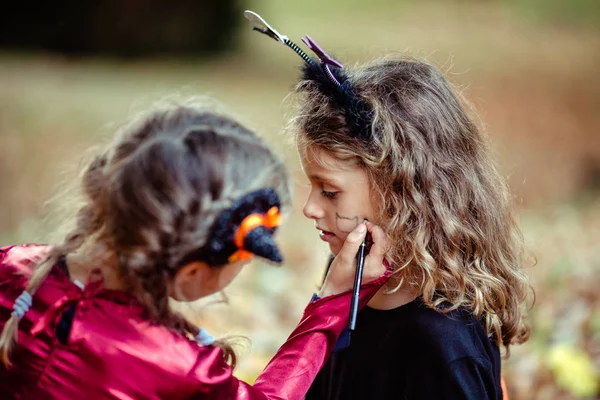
211	281
354	209
345	223
229	273
347	214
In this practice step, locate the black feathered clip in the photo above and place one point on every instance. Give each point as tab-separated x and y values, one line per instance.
329	76
243	230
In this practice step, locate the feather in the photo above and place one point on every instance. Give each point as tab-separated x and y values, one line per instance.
356	110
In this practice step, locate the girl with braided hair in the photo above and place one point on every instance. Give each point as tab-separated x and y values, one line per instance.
180	201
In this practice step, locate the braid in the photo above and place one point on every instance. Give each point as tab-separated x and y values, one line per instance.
149	282
88	221
73	241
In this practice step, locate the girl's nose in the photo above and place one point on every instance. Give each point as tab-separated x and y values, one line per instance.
312	209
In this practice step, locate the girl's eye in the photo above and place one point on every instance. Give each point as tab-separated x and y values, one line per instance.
329	195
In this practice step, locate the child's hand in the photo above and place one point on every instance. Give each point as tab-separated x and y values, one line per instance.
341	273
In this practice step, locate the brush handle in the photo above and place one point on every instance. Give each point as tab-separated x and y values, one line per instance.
357	280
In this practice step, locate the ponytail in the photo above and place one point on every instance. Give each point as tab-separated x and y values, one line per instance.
89	220
9	336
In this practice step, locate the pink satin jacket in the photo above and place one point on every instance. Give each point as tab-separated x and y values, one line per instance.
115	352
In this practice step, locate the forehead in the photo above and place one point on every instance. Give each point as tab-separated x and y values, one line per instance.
321	165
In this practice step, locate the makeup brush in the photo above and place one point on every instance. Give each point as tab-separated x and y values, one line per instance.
360	263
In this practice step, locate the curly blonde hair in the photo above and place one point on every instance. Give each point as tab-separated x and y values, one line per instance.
442	201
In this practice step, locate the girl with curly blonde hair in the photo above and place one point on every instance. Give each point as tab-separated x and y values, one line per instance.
392	142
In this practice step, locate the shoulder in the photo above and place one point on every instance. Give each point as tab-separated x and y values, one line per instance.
210	374
455	352
464	378
438	321
451	335
21	257
16	262
210	366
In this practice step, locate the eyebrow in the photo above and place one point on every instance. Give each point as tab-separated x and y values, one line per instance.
324	179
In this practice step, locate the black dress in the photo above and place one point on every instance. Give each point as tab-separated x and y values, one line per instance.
411	353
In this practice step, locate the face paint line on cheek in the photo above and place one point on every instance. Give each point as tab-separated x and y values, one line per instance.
346	224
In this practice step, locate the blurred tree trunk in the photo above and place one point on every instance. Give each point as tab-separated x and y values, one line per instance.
120	28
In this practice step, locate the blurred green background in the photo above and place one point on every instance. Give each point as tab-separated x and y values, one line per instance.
530	67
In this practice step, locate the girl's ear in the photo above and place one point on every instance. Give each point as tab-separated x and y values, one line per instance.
189	281
189	270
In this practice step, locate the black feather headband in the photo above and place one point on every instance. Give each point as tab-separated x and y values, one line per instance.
329	76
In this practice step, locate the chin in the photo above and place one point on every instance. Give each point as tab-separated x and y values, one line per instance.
335	249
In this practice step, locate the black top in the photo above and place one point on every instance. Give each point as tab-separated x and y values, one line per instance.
412	352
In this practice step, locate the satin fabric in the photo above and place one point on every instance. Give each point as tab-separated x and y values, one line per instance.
115	352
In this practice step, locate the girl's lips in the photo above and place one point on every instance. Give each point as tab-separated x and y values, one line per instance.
326	236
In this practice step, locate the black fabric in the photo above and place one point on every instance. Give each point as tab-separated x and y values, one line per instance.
412	353
63	328
62	265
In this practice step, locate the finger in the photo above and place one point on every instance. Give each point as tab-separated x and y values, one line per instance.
374	266
352	244
380	242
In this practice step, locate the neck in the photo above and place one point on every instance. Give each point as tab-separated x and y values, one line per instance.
80	265
383	300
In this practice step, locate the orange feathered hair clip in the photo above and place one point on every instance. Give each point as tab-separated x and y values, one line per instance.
270	221
244	230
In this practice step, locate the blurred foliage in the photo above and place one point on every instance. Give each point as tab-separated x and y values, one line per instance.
572	12
530	67
574	370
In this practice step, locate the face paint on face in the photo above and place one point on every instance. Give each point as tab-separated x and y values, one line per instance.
345	224
339	198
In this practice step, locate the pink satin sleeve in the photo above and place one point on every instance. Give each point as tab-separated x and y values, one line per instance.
292	370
